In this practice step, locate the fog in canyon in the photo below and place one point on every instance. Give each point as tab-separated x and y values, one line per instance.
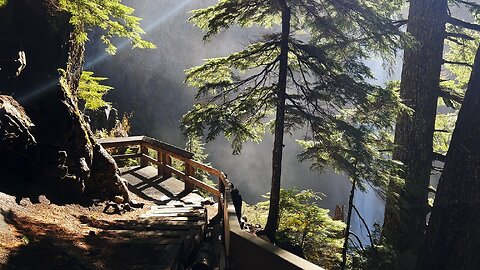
149	83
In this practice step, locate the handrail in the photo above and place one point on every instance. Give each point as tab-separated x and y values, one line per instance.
237	242
165	152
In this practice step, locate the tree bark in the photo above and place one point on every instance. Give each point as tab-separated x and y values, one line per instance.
453	234
69	164
272	220
405	215
347	228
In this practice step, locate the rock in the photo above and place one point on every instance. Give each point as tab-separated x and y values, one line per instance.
15	126
58	156
118	199
44	200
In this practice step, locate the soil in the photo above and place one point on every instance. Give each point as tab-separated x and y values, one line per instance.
48	236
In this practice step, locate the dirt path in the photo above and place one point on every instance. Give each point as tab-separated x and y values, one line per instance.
48	236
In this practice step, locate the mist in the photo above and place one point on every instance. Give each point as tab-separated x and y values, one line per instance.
149	83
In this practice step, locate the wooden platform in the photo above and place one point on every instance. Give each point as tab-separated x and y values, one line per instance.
166	235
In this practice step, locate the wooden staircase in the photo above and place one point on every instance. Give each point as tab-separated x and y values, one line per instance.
166	236
176	224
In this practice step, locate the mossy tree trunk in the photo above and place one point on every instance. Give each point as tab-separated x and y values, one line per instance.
453	234
68	163
405	216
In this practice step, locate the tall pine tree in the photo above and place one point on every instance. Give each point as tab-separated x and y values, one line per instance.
405	216
423	136
451	240
306	73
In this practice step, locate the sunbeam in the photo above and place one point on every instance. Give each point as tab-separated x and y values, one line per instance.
41	89
125	43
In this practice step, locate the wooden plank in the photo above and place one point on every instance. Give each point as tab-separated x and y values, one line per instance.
224	179
189	171
154	226
125	156
172	234
150	159
202	185
121	142
144	156
175	171
156	144
121	139
176	214
204	167
194	181
159	164
194	206
176	210
153	241
169	218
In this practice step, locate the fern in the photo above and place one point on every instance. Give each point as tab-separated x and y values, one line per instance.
91	91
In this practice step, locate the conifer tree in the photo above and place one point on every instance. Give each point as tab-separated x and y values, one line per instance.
423	136
115	18
405	216
452	240
308	74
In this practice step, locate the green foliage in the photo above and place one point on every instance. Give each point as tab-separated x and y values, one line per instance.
349	120
197	147
91	91
112	16
304	224
121	129
444	125
3	3
461	56
377	257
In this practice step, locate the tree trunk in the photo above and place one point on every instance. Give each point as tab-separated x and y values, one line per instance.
405	215
453	234
347	228
272	221
69	164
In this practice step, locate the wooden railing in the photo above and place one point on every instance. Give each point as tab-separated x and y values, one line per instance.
242	249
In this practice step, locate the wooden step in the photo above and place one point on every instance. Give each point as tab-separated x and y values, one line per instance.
177	206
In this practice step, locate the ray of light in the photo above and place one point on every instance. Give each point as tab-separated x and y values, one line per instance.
41	89
125	43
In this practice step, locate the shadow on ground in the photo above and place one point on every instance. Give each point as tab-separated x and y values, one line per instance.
50	247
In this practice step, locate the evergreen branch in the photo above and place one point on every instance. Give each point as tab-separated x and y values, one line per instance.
457	63
372	243
446	93
358	239
468	3
400	23
263	75
458	35
464	24
455	41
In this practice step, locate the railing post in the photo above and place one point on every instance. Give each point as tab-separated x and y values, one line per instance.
143	160
221	188
189	171
167	161
226	224
160	163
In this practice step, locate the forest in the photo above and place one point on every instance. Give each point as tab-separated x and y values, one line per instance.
343	132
